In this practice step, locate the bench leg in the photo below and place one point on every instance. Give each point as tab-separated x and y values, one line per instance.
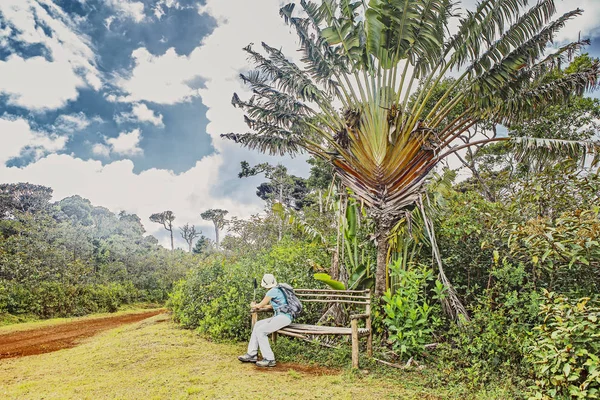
274	337
354	325
254	320
370	338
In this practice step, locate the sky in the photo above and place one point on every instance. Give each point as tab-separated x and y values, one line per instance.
123	101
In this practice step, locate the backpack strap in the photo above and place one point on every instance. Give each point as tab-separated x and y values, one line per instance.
284	295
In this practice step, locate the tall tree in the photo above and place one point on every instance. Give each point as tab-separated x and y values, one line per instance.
165	218
350	102
217	216
188	233
24	198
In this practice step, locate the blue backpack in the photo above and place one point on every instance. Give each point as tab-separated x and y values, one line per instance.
293	306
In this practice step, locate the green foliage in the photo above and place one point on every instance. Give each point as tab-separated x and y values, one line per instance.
55	299
563	252
410	316
215	297
196	291
565	349
332	283
71	258
491	343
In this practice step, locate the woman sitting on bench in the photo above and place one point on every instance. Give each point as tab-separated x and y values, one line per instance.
275	299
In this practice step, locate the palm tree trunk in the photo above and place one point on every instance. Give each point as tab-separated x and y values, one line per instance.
381	271
172	247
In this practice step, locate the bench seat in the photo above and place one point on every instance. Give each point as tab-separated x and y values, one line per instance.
304	329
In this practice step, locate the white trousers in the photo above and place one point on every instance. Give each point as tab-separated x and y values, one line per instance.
260	335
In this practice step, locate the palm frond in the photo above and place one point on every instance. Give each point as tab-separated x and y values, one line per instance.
273	143
547	151
480	28
520	57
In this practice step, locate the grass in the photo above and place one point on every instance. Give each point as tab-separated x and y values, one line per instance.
154	359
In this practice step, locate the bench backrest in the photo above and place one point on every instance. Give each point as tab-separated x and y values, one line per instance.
359	297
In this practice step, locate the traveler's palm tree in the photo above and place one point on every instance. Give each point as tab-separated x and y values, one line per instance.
353	98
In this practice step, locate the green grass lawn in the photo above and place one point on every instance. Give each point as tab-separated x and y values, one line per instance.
155	359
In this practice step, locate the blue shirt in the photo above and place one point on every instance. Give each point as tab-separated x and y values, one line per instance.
278	300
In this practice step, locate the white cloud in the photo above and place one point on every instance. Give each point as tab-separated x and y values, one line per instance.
108	21
163	5
72	123
128	9
127	143
101	150
587	24
16	135
4	35
141	113
37	84
159	79
40	84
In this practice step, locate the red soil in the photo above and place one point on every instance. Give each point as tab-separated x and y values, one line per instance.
63	336
306	369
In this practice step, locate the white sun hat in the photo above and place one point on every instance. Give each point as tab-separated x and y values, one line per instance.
268	281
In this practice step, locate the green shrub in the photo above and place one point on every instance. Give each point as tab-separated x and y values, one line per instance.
56	299
19	299
492	342
409	314
565	350
227	316
199	289
215	297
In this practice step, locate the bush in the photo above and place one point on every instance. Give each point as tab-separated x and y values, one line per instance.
492	342
198	290
215	297
409	314
56	299
565	350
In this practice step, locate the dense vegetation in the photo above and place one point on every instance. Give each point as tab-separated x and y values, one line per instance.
515	249
71	258
498	271
526	266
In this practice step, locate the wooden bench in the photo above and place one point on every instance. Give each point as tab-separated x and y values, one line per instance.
355	297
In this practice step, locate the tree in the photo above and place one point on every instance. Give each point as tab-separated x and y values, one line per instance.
24	198
286	189
321	178
368	57
217	216
202	245
576	119
76	209
165	218
189	233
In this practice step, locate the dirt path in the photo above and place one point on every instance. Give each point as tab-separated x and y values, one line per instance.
63	336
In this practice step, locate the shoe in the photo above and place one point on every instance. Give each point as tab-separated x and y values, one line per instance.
266	363
247	358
